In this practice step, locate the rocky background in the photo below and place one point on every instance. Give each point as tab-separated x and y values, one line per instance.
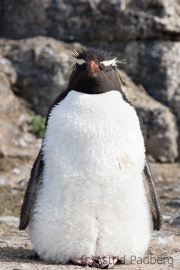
144	32
36	40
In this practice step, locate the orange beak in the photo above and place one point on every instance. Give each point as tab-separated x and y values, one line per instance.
92	67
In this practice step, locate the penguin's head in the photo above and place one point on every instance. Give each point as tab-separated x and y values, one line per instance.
94	72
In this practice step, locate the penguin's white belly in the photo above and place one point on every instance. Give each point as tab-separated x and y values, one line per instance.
92	201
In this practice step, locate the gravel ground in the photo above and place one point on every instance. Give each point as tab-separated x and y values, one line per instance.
16	251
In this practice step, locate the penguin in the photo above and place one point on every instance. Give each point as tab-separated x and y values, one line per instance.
91	198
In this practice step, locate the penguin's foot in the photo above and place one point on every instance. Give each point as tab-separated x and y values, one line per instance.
107	262
84	261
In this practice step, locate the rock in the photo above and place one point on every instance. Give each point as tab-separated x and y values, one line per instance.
176	222
41	65
172	188
157	122
10	220
174	203
10	102
3	181
175	101
13	128
7	75
7	68
91	20
162	240
167	218
11	141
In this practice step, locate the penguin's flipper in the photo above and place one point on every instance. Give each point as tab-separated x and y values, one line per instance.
31	191
152	197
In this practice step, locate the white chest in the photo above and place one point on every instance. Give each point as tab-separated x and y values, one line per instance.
90	132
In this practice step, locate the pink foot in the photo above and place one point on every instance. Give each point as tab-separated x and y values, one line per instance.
107	261
98	262
85	261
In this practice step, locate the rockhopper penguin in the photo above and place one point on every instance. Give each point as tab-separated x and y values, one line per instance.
91	197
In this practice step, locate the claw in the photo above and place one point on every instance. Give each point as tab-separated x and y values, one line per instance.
107	262
84	261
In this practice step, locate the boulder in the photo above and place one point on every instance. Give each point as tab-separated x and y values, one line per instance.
91	20
15	139
157	122
41	65
7	74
